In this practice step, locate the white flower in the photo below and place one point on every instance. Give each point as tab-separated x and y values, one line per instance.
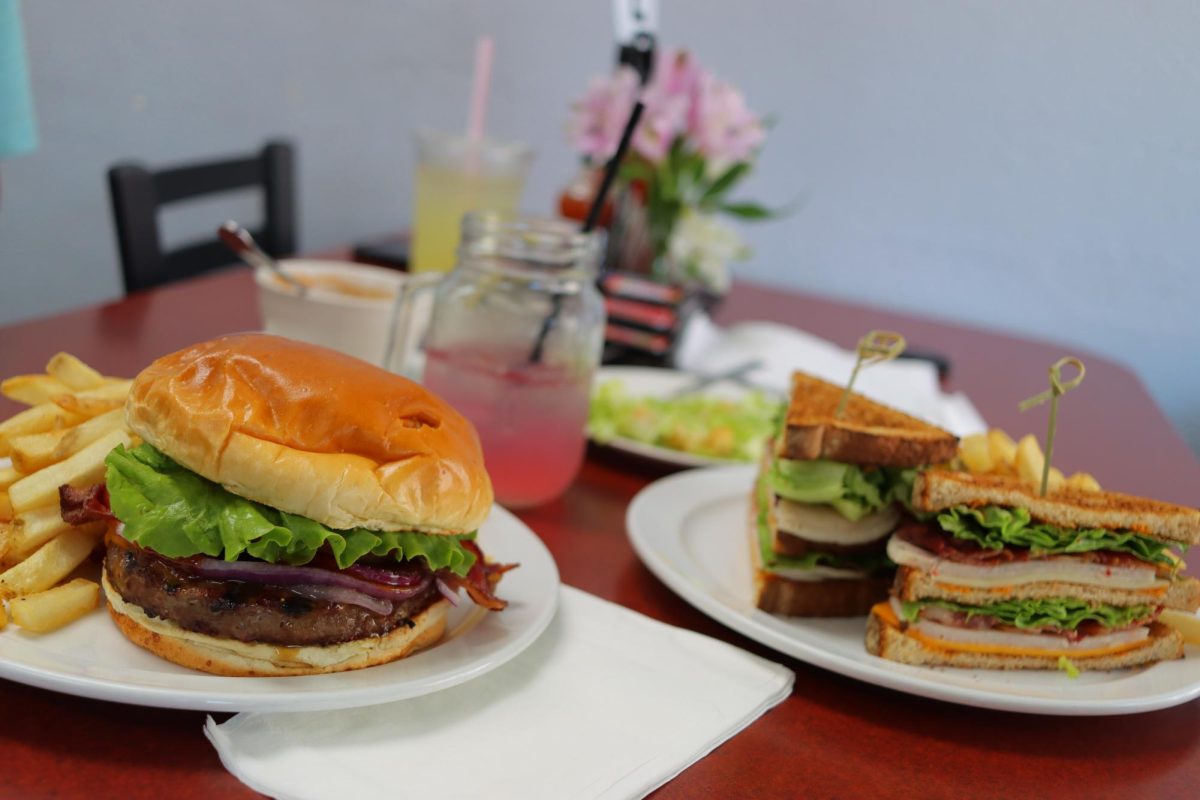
704	246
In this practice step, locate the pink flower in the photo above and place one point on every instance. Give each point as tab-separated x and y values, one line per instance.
670	100
598	118
724	130
682	100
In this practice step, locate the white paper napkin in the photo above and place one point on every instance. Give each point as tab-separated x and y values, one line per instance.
607	703
908	385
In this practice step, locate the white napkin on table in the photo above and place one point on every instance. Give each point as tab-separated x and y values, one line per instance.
908	385
607	703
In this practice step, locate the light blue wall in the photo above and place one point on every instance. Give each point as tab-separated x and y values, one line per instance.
1028	166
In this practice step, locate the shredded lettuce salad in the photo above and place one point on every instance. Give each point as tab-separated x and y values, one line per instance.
695	423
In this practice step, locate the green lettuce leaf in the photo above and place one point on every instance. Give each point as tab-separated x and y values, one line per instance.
1062	614
993	527
177	513
851	490
772	561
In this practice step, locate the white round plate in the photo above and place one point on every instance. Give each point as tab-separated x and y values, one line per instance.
91	658
690	529
657	382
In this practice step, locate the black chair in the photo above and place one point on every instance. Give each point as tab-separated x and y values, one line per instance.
138	193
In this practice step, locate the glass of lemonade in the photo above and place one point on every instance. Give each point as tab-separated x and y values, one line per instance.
519	282
455	175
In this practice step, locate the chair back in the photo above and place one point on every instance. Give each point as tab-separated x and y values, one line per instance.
138	193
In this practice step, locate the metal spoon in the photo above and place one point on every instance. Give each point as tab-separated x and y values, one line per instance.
239	240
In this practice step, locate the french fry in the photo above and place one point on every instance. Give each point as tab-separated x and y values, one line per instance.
1003	451
38	419
1083	480
93	402
81	469
35	451
1030	459
49	610
8	476
7	536
31	530
1055	479
50	564
74	373
3	617
6	509
32	390
975	453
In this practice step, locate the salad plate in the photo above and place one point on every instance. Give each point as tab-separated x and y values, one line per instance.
641	411
90	657
689	529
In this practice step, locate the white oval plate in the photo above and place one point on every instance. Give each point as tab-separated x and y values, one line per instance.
91	658
690	530
658	382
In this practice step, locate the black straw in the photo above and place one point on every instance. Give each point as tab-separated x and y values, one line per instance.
610	174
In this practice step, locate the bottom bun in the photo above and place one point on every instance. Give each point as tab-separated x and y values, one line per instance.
887	641
248	659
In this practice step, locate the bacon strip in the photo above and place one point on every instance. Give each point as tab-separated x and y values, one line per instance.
81	506
480	582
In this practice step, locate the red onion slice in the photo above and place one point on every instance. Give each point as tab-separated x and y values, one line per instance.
401	576
288	576
338	594
447	592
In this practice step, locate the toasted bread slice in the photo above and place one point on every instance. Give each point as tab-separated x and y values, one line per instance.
886	640
832	598
1068	507
1182	593
867	433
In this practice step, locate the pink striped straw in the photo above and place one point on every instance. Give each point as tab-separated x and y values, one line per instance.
479	89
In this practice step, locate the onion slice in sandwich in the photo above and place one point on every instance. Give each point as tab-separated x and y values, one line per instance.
289	577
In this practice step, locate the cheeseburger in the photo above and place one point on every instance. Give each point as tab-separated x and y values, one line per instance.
290	511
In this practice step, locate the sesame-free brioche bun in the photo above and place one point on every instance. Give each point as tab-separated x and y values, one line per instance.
233	658
310	431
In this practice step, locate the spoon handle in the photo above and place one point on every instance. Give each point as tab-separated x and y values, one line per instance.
239	240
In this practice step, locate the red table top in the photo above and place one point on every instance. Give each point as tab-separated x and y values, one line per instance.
832	737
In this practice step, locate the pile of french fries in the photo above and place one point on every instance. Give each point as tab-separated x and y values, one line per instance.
75	417
995	453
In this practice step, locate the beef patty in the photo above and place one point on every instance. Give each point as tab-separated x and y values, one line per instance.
247	612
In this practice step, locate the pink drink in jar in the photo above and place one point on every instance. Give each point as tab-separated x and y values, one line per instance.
530	417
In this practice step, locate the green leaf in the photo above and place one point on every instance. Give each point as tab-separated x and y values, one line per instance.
633	169
724	183
1058	613
177	513
994	528
748	211
852	491
772	561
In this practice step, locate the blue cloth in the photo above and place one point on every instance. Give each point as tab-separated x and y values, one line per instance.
18	131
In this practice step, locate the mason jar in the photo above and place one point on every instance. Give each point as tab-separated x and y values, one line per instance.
513	340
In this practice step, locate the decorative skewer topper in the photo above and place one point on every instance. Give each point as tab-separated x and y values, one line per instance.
874	348
1057	389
